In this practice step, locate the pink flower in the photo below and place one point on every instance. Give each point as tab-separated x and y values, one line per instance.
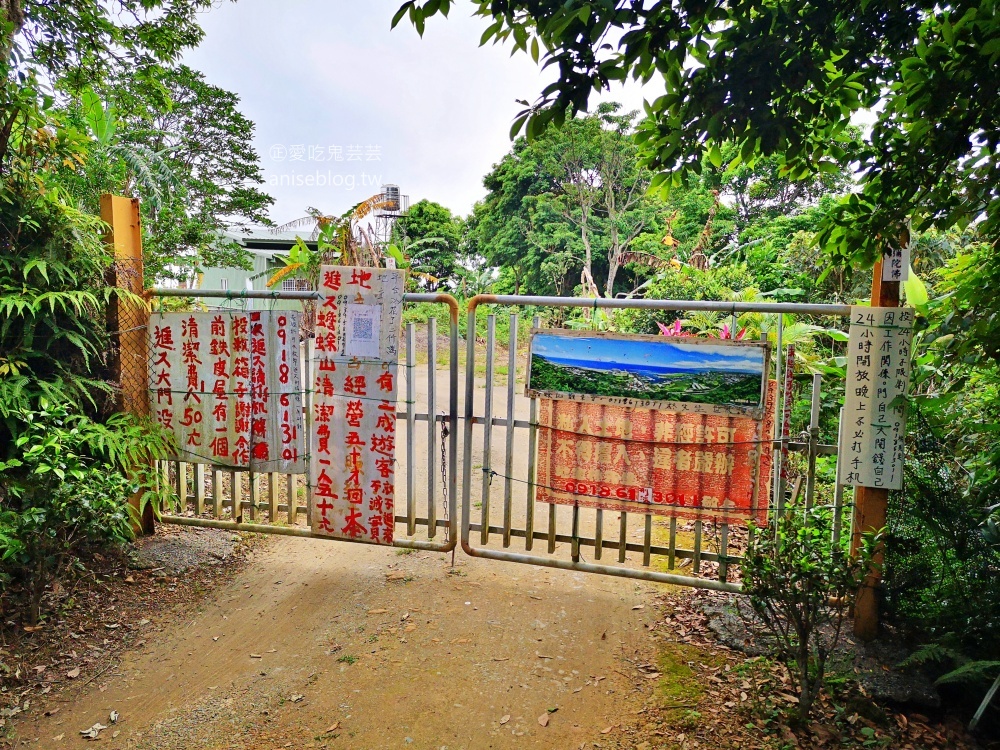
674	330
727	334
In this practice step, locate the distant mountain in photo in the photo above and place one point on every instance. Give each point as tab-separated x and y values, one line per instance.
711	364
646	382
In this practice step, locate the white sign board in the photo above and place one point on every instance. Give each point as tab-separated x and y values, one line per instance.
352	457
228	385
896	264
878	371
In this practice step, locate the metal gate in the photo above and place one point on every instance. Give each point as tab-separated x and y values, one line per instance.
272	503
499	509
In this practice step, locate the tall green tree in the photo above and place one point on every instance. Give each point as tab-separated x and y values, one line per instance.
435	236
784	79
206	143
73	44
52	276
603	191
574	199
570	203
502	229
762	191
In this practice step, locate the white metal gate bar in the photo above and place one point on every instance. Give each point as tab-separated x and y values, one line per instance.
245	497
551	532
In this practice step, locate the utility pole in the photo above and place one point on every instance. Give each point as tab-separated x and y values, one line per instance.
870	503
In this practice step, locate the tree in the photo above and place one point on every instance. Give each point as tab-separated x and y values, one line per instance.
52	290
572	201
76	43
192	132
435	236
761	191
784	79
603	190
136	170
503	227
791	573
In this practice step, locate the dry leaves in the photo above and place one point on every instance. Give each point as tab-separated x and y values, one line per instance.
731	706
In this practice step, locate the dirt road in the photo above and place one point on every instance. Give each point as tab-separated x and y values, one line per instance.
320	644
327	644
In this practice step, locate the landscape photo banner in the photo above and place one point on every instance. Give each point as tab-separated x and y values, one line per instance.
878	377
228	385
684	464
675	373
352	462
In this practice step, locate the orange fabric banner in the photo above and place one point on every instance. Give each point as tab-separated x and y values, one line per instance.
685	464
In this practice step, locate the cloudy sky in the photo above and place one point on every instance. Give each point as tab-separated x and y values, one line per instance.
658	354
342	104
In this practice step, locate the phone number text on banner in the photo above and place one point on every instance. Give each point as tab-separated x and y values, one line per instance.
684	464
228	385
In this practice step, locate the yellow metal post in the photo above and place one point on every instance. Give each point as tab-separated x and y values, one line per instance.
128	320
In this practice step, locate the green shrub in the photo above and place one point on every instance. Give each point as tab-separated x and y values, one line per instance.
53	294
684	283
800	585
942	565
65	488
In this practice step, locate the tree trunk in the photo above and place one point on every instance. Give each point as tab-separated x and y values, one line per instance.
614	260
12	12
587	273
805	684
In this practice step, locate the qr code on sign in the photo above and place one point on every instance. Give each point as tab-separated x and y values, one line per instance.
363	329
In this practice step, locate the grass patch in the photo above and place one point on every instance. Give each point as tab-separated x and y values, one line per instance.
680	688
661	538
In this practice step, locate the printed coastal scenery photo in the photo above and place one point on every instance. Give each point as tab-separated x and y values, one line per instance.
650	370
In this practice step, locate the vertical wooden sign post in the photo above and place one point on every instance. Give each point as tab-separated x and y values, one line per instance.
870	503
128	321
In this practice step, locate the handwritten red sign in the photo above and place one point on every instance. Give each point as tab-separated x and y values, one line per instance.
353	442
228	385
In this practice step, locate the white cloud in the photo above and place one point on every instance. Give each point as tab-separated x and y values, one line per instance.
332	74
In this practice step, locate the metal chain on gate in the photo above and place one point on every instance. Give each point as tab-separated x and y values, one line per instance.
445	431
